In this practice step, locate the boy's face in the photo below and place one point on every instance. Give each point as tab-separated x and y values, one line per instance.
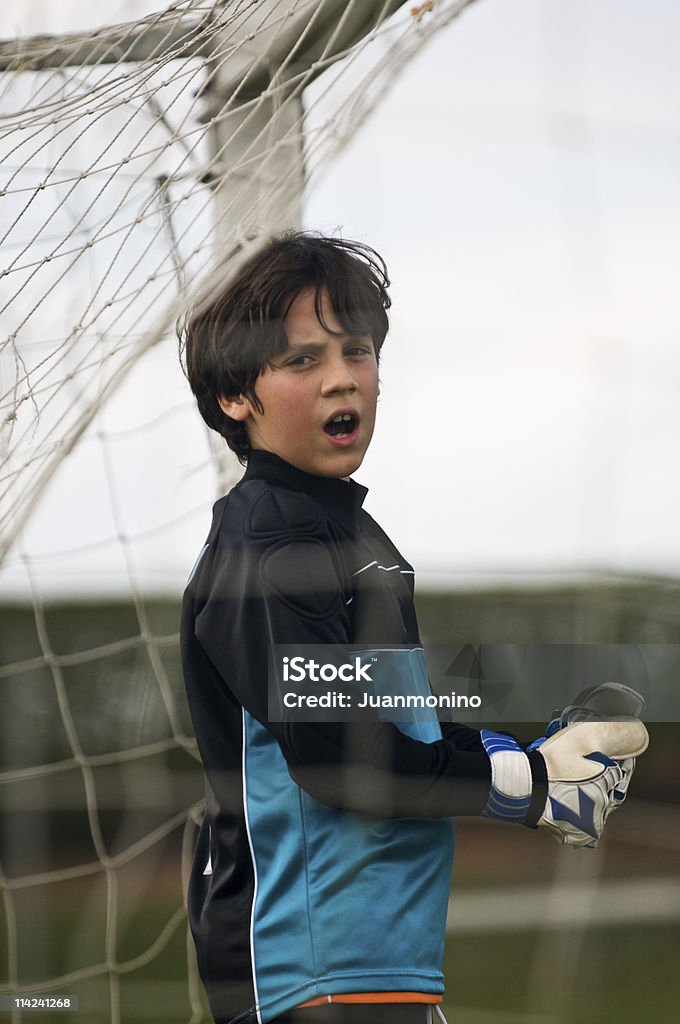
320	377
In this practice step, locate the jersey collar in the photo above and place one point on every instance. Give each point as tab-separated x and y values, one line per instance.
339	496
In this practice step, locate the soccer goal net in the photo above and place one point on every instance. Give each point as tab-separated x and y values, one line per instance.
135	161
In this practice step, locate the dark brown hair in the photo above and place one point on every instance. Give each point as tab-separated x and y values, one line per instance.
225	345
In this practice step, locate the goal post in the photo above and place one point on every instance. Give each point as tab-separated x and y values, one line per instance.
258	64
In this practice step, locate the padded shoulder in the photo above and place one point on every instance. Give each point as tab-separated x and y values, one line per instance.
302	576
280	513
289	548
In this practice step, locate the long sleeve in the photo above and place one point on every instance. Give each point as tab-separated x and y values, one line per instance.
285	586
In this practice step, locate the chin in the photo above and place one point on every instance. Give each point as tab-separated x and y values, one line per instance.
338	464
344	467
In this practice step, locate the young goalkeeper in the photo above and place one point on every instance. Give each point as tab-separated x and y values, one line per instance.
322	871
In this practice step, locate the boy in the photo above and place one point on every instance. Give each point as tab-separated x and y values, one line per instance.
322	871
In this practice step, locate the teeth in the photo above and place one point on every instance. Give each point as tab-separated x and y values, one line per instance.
339	419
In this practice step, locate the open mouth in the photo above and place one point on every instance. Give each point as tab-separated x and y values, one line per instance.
342	426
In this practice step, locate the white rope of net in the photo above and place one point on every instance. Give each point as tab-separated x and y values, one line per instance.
150	195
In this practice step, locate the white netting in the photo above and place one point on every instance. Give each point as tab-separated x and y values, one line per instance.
129	158
109	178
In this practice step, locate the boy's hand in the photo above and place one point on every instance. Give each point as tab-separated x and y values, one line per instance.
589	750
589	767
606	702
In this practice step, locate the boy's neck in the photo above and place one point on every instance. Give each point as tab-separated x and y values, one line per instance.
336	493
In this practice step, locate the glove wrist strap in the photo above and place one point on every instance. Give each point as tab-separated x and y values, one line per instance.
539	774
511	792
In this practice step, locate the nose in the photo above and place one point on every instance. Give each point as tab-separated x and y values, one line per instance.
338	377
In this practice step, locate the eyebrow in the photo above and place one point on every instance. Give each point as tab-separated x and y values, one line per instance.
315	346
318	346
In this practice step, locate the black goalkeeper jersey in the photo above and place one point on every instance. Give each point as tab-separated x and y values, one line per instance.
323	863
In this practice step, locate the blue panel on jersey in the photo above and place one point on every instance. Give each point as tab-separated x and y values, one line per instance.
390	879
402	672
280	924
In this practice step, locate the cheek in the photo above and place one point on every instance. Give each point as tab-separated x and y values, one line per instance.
282	398
372	383
294	407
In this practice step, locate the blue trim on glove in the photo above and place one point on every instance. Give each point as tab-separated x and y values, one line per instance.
506	808
499	805
551	728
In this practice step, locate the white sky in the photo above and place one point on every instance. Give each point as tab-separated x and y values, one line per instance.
521	180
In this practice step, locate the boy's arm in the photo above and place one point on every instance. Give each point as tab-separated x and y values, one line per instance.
283	588
374	768
462	736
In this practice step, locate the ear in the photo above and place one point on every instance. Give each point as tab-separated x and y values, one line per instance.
235	406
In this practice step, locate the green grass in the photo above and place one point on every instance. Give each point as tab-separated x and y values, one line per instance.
623	975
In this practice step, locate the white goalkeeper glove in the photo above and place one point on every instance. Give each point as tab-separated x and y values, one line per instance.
588	763
589	767
595	799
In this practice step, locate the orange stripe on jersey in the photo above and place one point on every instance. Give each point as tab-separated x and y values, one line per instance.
372	997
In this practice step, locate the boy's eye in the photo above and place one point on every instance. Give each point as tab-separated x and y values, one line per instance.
299	361
359	350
